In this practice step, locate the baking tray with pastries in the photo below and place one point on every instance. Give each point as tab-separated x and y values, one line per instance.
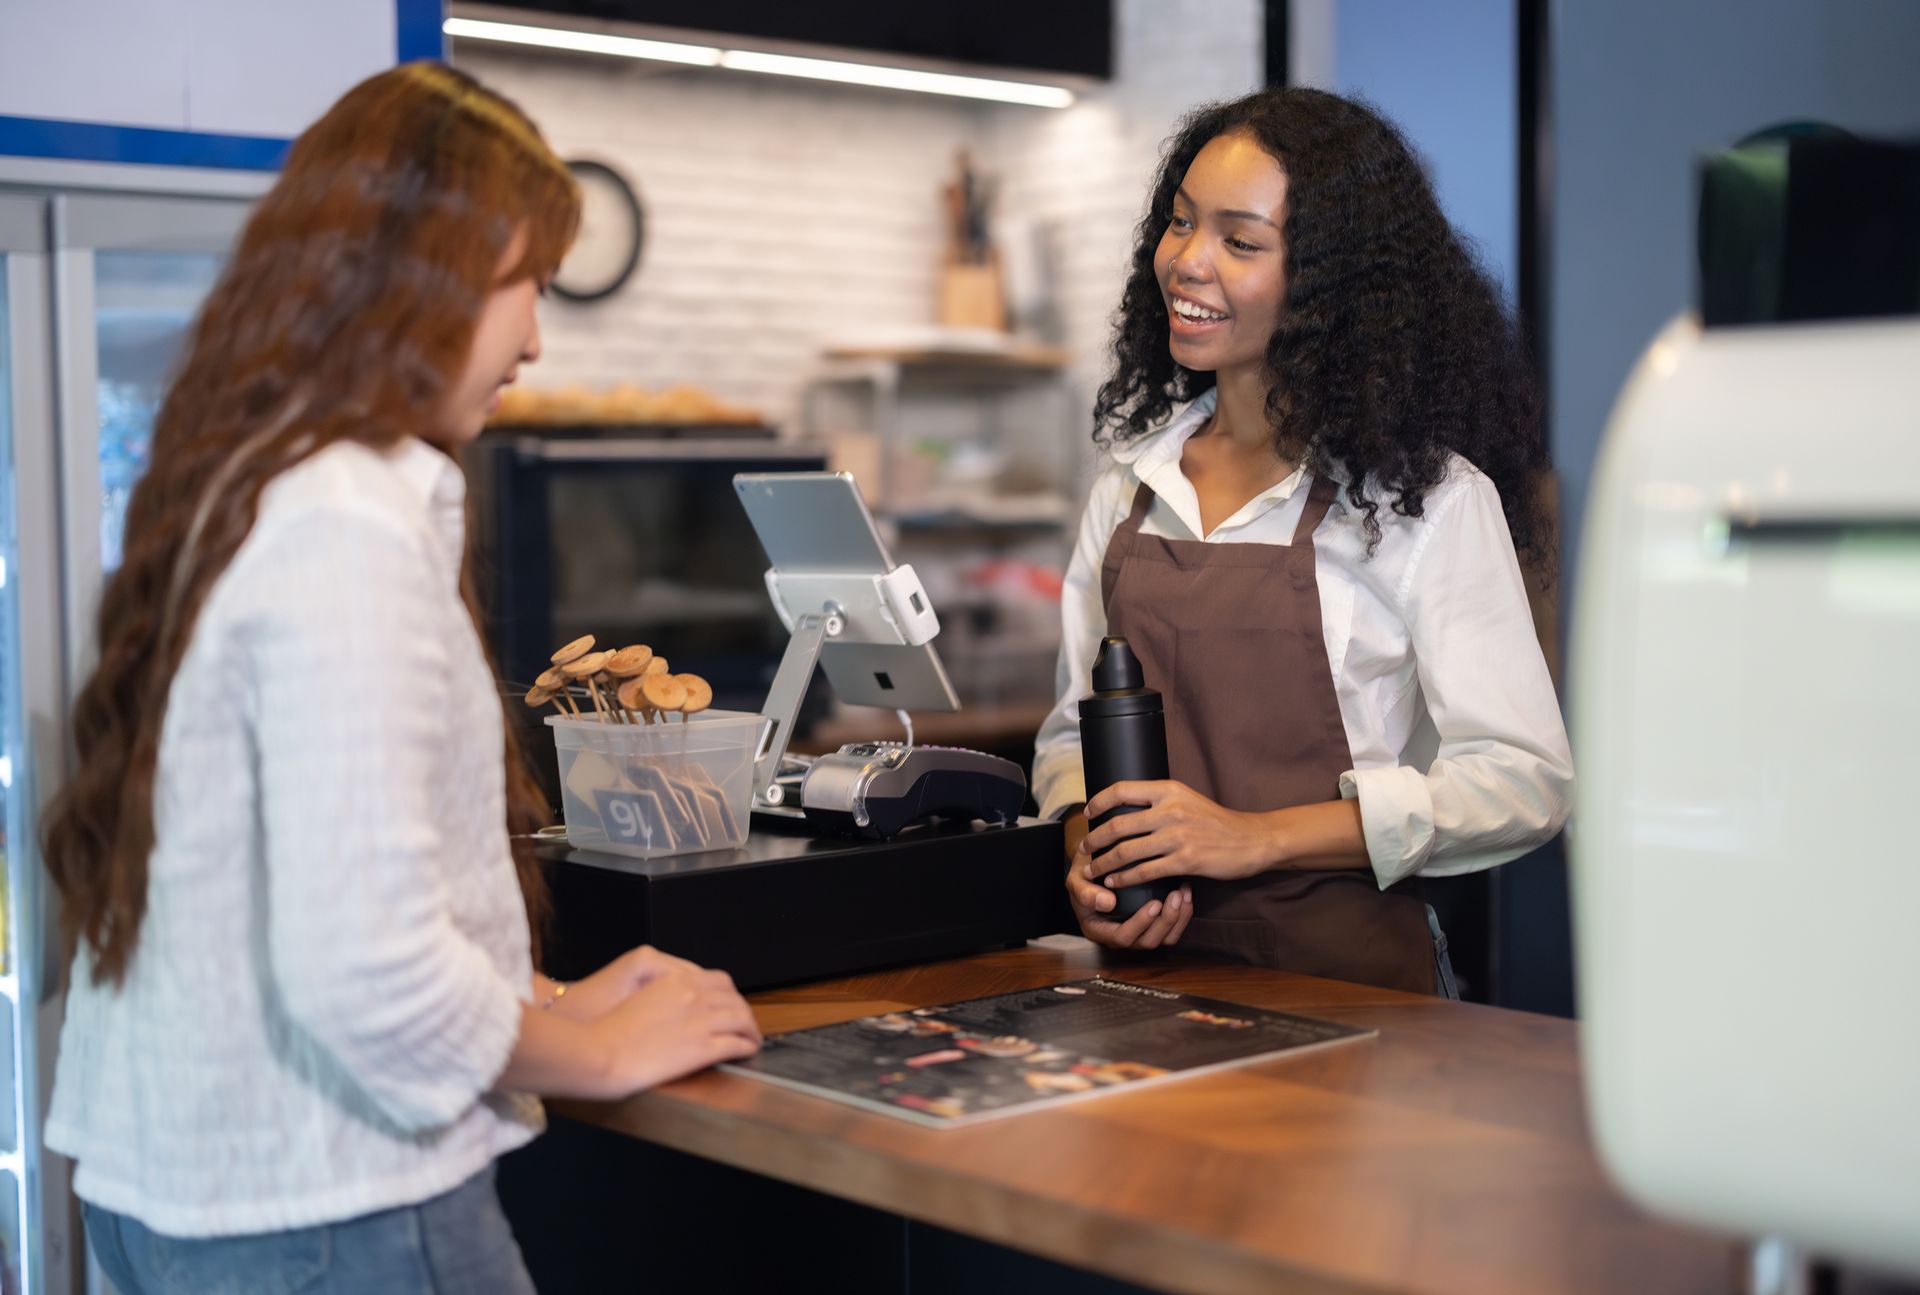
626	409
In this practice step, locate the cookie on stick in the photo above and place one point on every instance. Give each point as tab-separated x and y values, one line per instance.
556	683
632	697
538	696
573	651
663	691
630	661
699	694
583	669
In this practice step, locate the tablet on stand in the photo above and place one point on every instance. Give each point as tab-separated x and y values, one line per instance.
866	621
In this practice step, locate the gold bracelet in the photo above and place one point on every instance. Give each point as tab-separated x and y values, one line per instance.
560	988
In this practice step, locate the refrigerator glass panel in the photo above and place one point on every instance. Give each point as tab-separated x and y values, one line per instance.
146	303
9	1080
12	827
12	751
11	1259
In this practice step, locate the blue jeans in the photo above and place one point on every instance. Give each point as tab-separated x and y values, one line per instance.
456	1244
1442	961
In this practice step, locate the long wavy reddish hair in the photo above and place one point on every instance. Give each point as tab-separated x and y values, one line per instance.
346	313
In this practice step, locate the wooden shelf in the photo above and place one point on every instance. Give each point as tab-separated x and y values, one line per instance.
948	512
1017	358
755	431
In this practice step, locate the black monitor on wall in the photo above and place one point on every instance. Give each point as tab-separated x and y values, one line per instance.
1074	37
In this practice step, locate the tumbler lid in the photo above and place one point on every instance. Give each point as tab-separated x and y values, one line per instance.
1119	683
1116	668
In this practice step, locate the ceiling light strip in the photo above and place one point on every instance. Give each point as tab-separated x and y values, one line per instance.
813	69
898	78
584	42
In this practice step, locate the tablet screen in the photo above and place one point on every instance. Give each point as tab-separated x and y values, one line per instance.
812	521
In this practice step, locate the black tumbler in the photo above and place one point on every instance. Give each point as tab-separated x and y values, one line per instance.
1123	738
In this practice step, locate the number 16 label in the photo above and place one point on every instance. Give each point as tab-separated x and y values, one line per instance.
626	817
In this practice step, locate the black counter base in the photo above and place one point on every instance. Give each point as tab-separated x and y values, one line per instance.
599	1213
791	905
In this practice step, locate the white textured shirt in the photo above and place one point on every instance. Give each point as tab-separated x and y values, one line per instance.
1460	757
329	977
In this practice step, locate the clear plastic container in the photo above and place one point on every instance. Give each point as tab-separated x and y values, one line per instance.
680	784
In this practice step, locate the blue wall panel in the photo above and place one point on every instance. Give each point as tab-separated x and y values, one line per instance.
417	35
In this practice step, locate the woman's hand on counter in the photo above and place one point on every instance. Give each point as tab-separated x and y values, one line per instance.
672	1019
1154	925
676	1024
594	996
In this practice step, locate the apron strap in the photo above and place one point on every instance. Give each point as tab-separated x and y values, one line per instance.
1121	543
1319	500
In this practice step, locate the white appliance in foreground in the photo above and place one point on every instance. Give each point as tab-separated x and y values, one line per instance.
1747	730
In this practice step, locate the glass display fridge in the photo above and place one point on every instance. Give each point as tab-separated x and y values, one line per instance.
97	292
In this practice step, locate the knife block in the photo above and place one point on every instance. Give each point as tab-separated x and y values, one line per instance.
971	296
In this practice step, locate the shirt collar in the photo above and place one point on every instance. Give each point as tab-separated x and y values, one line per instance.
1155	460
433	477
1158	447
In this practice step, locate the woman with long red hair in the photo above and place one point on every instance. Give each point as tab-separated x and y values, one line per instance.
304	1018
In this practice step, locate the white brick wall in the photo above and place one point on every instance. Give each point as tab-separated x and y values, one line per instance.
784	213
1086	169
779	212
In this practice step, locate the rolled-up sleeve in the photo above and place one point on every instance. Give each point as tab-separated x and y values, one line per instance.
349	678
1501	782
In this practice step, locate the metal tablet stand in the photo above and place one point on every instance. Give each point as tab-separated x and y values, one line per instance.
784	697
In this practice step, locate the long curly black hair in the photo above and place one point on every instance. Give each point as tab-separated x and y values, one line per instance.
1394	347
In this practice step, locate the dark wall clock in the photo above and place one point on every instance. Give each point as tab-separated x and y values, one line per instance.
612	232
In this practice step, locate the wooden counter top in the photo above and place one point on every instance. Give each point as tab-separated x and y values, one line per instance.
1449	1155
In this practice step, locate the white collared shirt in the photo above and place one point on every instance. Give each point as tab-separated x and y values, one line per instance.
1460	758
329	977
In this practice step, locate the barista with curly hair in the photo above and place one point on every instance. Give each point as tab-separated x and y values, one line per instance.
1323	450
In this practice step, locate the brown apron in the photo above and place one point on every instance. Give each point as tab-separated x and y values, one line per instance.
1230	636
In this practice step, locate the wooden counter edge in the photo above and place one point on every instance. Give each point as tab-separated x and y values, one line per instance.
709	1116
